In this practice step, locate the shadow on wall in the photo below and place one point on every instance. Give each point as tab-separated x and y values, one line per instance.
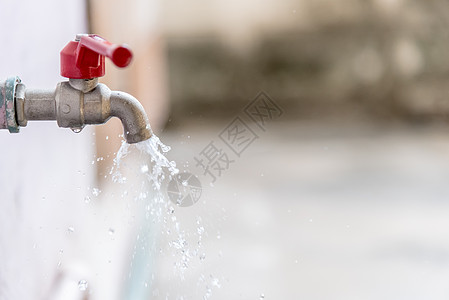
374	64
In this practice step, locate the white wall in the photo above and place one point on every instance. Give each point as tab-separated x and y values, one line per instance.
45	171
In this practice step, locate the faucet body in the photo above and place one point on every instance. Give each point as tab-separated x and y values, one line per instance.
73	104
81	100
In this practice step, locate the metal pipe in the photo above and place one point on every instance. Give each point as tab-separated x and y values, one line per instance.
39	105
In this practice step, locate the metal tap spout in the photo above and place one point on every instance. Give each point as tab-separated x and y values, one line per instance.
132	114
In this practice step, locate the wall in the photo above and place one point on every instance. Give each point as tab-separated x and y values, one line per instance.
45	171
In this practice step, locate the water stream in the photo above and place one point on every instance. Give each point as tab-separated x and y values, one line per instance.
154	172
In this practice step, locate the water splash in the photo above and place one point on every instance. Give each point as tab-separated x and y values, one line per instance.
155	169
153	147
115	171
155	150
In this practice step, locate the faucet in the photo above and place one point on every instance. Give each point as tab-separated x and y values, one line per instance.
81	100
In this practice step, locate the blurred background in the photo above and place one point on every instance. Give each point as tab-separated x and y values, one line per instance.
336	190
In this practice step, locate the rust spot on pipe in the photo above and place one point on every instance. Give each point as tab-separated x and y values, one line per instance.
2	106
10	93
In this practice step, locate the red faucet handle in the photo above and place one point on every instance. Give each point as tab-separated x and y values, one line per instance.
84	57
120	55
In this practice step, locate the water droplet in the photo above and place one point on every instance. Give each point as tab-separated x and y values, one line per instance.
200	230
76	129
144	169
71	229
87	199
202	256
107	137
216	282
262	296
111	231
83	285
96	191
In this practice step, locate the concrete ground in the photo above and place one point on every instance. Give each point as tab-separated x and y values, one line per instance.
313	212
